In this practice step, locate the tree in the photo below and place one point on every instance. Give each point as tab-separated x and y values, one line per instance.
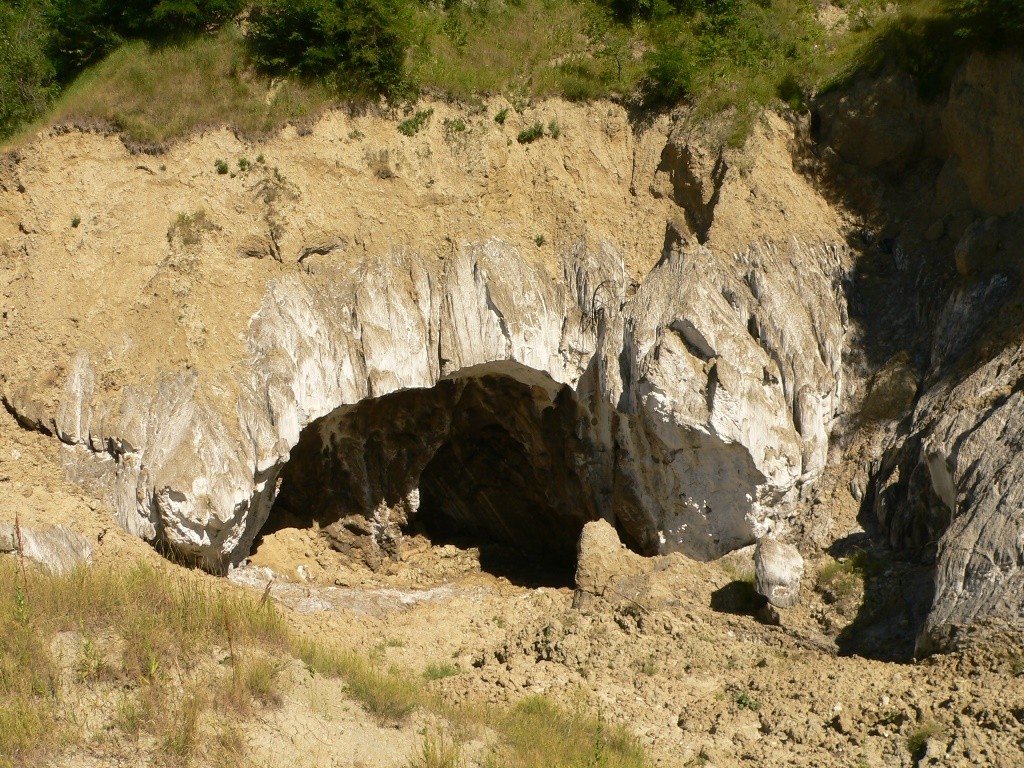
26	75
357	45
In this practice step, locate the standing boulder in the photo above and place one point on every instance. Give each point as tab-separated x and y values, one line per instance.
778	569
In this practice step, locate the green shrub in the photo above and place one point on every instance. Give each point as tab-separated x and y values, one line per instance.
531	134
413	125
671	70
500	117
26	75
452	127
358	46
746	701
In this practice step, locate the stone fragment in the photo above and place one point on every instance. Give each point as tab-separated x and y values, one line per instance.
778	570
602	559
58	549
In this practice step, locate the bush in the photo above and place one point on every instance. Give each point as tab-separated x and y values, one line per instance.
26	75
414	124
671	71
356	45
531	134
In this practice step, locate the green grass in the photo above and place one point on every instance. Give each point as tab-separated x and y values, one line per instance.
728	60
157	93
440	671
525	50
535	733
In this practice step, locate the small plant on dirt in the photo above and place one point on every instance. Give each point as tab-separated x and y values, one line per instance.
355	134
501	116
452	127
259	159
841	582
746	701
917	741
75	221
414	124
554	131
440	671
91	665
437	751
189	228
648	667
379	163
531	134
221	166
243	164
538	240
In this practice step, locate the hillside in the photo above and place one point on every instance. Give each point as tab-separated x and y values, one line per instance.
440	432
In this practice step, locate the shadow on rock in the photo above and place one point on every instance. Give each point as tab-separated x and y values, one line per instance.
897	595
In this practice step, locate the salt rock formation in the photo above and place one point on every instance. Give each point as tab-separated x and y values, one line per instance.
58	549
946	483
778	570
955	486
688	401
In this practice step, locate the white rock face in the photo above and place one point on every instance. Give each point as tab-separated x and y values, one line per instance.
778	570
58	549
961	490
700	390
709	392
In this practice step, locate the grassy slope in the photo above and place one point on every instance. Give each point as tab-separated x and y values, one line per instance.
142	638
763	54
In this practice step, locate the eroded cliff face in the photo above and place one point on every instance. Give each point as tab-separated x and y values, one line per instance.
194	329
939	183
455	332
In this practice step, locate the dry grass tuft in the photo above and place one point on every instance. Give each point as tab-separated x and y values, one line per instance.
151	638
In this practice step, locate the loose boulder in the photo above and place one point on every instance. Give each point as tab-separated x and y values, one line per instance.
778	569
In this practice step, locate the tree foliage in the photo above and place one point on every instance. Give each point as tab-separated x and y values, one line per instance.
989	22
26	74
357	45
84	31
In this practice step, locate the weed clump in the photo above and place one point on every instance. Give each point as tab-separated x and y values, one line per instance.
531	134
415	124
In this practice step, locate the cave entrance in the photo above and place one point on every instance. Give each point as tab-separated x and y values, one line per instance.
493	461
